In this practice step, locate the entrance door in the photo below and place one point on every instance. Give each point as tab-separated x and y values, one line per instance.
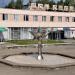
62	34
15	33
56	35
52	35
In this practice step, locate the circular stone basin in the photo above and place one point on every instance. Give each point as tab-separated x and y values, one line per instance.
31	59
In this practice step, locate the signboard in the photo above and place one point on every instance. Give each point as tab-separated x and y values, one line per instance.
60	7
72	28
54	7
66	8
51	29
40	6
60	29
71	8
66	28
46	6
33	4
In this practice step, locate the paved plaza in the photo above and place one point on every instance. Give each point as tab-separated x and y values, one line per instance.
68	50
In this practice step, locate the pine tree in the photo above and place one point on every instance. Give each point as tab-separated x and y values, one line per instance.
70	2
43	1
19	4
61	2
11	4
51	3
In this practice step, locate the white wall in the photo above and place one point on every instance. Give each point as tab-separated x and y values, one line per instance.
69	34
72	34
6	34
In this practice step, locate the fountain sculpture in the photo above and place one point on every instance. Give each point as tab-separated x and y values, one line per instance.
39	35
45	60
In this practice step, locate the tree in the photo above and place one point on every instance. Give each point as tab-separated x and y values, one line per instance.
72	2
51	3
69	2
11	4
42	1
61	2
19	4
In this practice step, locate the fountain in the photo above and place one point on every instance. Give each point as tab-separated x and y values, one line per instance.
44	59
39	35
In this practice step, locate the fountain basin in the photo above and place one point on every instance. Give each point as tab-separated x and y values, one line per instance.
48	60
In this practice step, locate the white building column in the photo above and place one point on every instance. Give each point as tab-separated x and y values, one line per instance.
67	34
21	33
6	34
30	35
9	33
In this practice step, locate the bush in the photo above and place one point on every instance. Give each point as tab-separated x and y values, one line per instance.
26	42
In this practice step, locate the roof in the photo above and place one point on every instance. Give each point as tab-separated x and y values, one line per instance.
30	12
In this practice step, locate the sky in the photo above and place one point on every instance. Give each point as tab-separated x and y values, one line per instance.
5	2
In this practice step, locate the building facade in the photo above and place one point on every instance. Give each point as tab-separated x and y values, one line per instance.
19	23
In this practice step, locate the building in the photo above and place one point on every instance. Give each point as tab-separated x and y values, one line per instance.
19	23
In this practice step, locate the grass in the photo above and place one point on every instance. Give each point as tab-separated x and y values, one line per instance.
27	42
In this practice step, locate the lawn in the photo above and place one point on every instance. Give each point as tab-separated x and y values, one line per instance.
26	42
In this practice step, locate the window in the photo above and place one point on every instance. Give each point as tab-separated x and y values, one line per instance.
16	17
35	18
5	16
15	33
59	18
73	19
67	19
51	18
43	18
26	17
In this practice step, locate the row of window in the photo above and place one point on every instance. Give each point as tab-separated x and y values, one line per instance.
16	17
35	18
